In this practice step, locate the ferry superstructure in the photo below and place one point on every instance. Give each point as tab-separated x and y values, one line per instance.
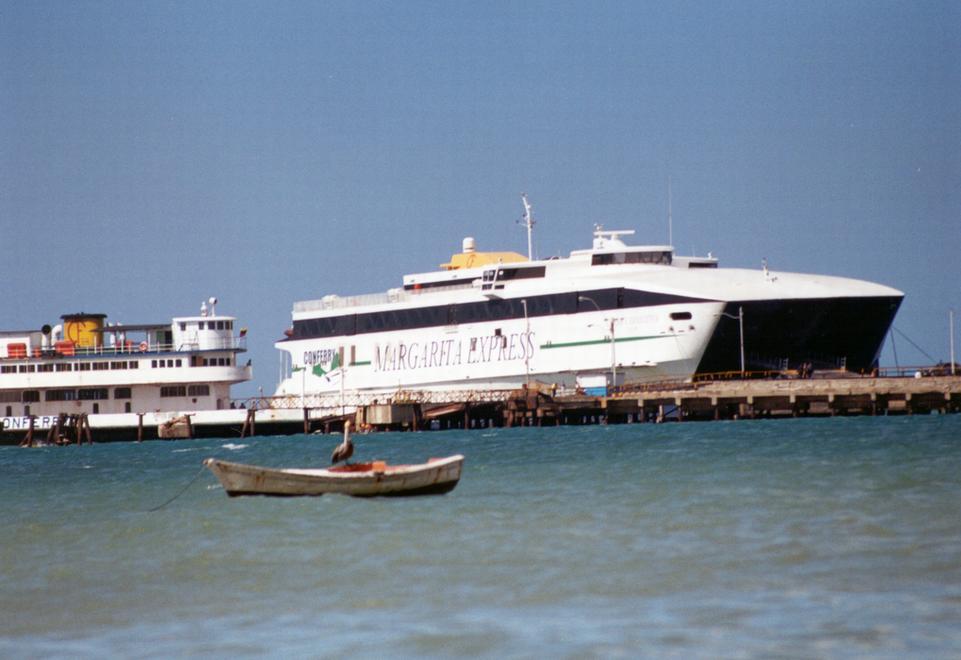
607	315
496	321
84	365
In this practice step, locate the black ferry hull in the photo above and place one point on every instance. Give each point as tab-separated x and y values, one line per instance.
823	333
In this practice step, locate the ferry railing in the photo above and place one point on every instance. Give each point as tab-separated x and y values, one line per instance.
392	296
130	348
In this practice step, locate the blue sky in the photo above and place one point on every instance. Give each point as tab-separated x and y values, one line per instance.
153	154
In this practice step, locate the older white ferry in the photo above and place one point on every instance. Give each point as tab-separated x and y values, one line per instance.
113	372
603	316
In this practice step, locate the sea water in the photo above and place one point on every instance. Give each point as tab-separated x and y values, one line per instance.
811	537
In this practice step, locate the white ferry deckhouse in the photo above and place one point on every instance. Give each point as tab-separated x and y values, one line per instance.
86	365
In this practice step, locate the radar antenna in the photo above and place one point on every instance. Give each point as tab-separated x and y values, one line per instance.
529	223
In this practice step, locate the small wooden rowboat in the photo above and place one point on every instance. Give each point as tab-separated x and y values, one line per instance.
375	479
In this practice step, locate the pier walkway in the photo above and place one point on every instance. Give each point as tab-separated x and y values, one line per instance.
773	397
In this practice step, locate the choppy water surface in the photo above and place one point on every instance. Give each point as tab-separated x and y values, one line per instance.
830	537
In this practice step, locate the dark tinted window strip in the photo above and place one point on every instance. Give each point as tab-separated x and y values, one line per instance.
431	285
520	273
483	311
609	258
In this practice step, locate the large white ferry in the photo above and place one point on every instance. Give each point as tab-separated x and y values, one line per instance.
114	372
608	315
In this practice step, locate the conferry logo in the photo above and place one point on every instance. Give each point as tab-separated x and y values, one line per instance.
454	352
322	362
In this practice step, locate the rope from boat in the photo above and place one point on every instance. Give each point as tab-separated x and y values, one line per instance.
182	491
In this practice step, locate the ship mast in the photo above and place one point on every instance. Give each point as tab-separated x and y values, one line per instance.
670	218
529	223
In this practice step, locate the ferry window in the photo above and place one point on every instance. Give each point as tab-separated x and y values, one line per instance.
121	393
60	395
521	273
179	363
634	298
658	257
198	390
8	369
680	316
173	390
200	325
170	363
101	366
83	366
346	325
118	365
482	311
183	326
230	325
64	367
220	325
31	396
92	394
133	364
126	407
44	367
23	368
153	364
11	396
9	411
600	300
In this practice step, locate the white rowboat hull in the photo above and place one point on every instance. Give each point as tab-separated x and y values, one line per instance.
377	479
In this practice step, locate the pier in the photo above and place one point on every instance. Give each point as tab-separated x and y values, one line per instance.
783	395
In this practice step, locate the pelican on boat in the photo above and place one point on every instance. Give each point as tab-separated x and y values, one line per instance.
374	479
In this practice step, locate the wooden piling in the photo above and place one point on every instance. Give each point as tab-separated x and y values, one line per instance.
86	426
28	439
249	426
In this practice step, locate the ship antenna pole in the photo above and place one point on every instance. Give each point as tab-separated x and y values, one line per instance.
529	222
670	218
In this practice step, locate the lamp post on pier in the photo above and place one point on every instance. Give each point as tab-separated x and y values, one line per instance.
740	322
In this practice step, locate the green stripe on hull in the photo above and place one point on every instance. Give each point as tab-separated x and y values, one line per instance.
591	342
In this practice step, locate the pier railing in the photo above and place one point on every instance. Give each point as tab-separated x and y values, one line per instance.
353	399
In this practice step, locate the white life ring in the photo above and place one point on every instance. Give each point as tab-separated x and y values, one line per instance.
143	347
